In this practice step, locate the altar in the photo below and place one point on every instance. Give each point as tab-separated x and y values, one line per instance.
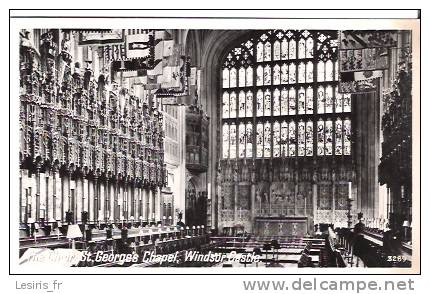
291	226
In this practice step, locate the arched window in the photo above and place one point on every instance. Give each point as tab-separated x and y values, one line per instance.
280	97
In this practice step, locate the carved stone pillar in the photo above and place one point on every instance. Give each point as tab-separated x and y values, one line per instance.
54	192
314	195
96	198
107	199
252	194
37	214
153	204
236	190
296	188
116	213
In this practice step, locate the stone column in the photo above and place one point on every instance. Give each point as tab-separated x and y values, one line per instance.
153	204
37	214
116	204
296	189
107	199
96	199
314	198
54	192
236	189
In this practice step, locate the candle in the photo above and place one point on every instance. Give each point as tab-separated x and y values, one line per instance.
350	190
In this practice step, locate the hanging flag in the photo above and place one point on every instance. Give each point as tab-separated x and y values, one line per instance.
359	82
100	37
363	59
113	52
158	58
359	39
174	70
168	47
362	55
138	46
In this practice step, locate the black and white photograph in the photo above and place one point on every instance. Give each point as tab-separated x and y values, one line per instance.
288	147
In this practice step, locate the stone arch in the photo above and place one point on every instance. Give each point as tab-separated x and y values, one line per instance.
208	49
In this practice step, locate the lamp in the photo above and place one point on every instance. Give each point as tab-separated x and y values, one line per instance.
406	225
73	231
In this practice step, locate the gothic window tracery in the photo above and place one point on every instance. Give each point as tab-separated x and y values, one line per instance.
291	76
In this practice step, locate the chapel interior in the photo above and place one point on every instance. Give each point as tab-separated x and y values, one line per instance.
170	141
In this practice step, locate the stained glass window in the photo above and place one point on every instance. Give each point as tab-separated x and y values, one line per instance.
233	78
347	103
276	50
284	139
309	72
321	71
301	101
292	142
233	141
276	139
338	137
284	102
225	141
232	104
260	53
267	75
292	73
249	76
225	78
329	71
259	75
302	49
309	100
284	48
260	103
267	51
301	139
321	99
294	89
249	100
276	102
249	136
328	137
338	101
347	137
267	103
320	137
242	142
267	139
276	75
284	74
309	48
302	72
309	138
242	104
292	101
329	99
259	140
292	49
242	77
225	105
